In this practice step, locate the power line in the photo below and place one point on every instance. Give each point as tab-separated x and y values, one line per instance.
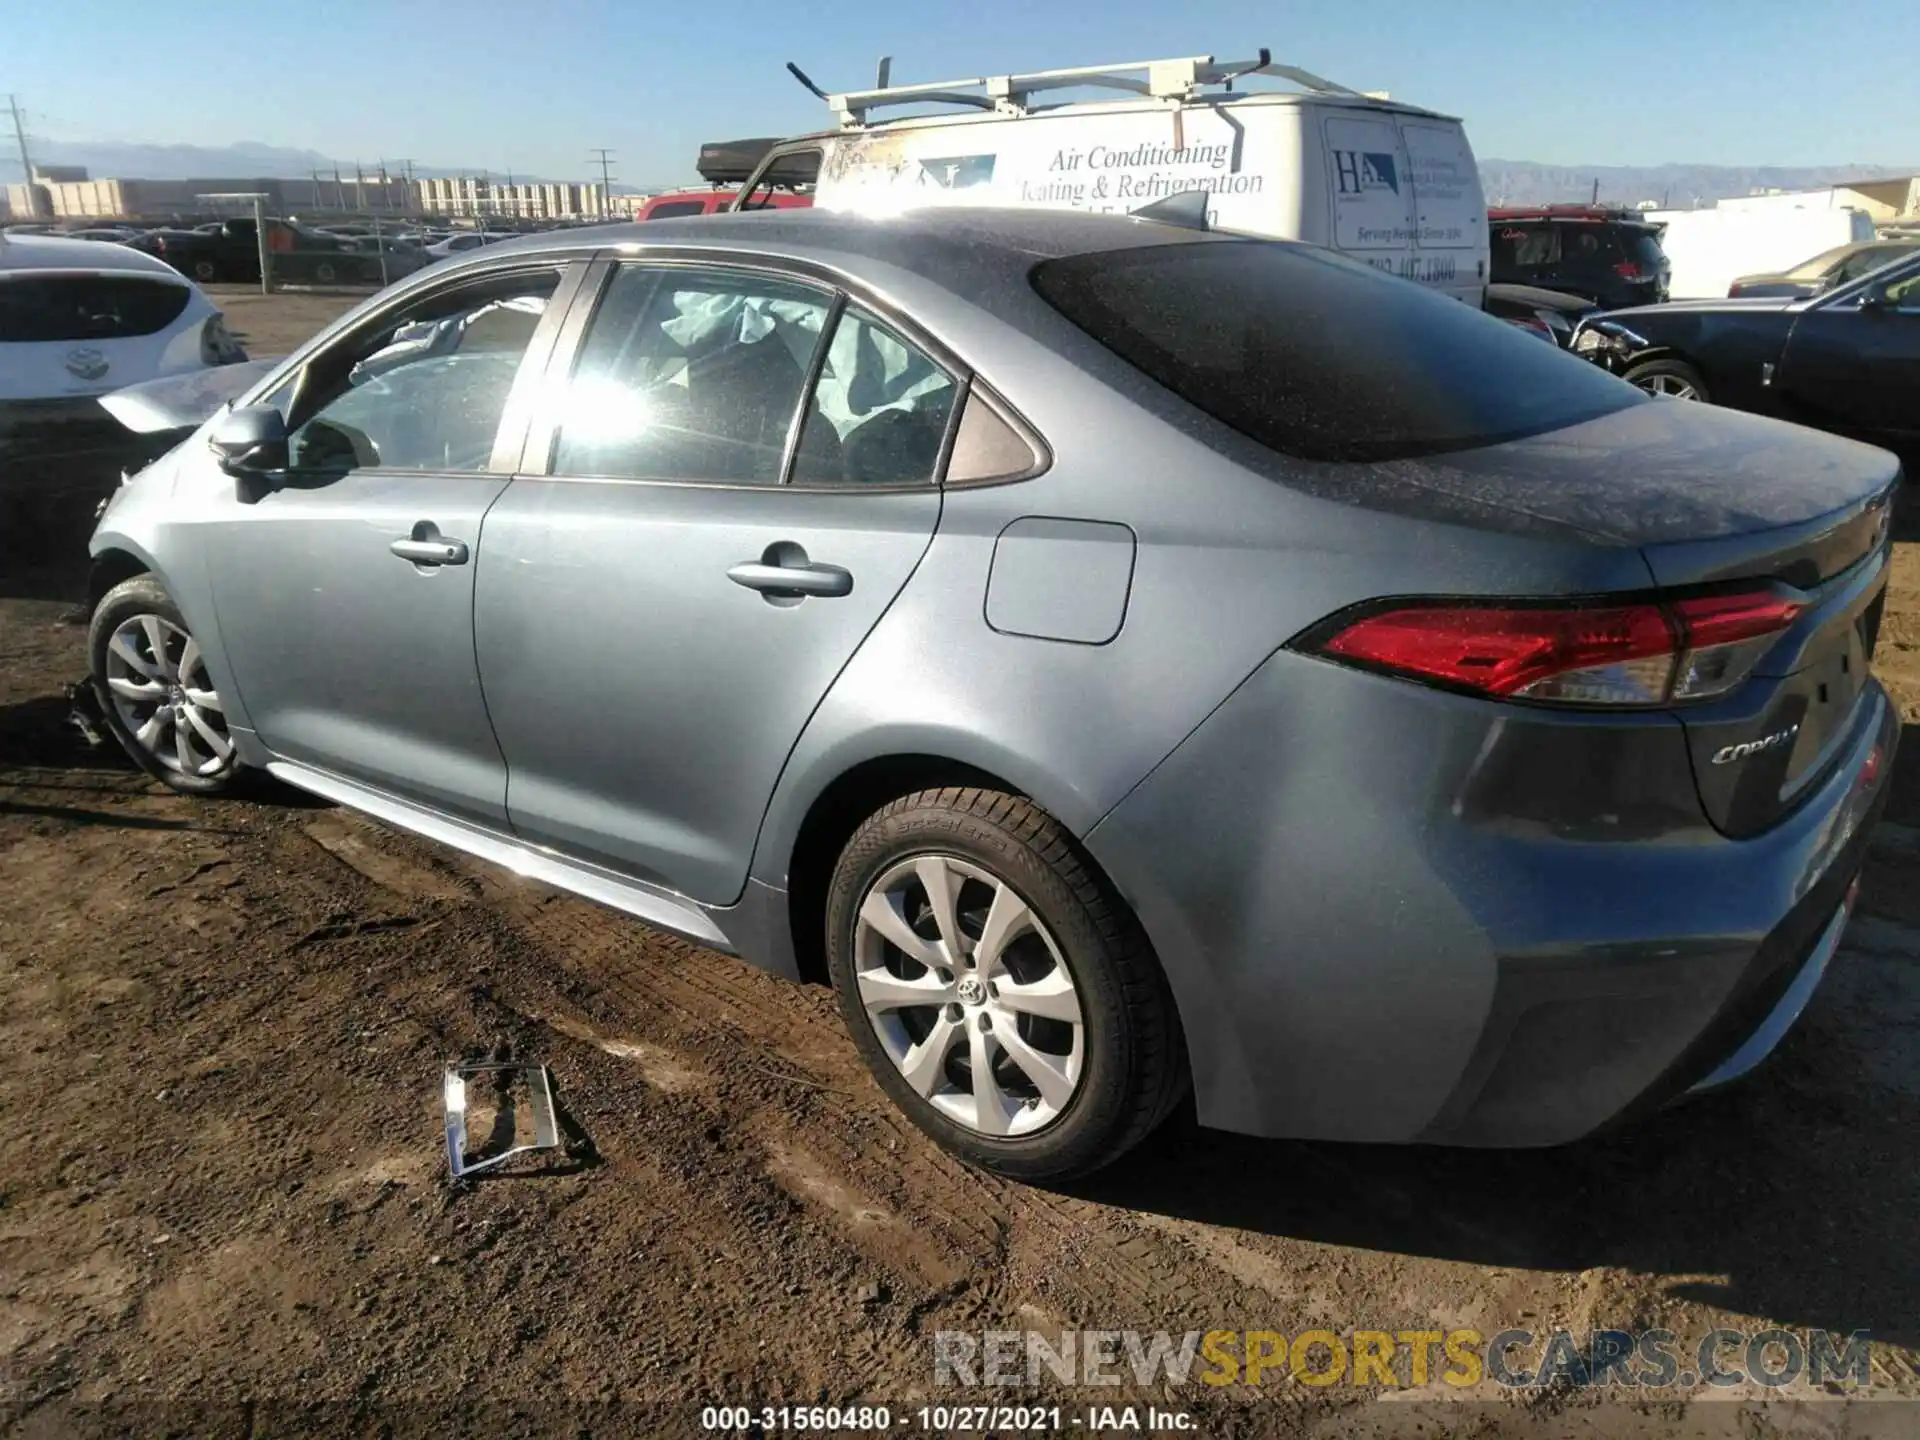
606	177
26	161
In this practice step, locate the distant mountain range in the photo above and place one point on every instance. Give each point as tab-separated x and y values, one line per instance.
1679	187
127	160
1514	182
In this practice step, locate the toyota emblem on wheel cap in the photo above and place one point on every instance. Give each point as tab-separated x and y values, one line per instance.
86	363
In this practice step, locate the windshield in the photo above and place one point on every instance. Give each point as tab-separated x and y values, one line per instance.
1320	357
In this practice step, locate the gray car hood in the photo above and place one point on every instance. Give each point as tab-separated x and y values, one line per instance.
182	402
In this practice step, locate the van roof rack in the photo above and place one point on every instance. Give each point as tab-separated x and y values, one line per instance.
1173	80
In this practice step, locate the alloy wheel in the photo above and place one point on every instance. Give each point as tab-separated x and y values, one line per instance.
1669	387
969	995
158	683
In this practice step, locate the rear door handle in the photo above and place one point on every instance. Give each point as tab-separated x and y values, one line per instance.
782	581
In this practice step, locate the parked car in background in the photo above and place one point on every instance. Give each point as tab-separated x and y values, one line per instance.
1547	313
463	241
1838	266
229	250
79	319
675	204
1848	360
110	234
1605	255
1371	595
384	259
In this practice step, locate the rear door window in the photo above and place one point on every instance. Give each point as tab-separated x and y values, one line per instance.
879	412
1318	357
37	309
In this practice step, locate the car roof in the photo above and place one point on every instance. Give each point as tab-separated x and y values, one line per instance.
940	243
57	252
1580	214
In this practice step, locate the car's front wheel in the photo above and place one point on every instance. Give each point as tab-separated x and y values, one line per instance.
154	689
205	271
1668	380
1000	992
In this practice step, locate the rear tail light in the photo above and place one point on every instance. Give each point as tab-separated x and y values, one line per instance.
1640	654
1627	270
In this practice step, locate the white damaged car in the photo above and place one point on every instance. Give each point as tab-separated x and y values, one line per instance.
80	319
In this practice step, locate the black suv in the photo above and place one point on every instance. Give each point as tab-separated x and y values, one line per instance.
1611	257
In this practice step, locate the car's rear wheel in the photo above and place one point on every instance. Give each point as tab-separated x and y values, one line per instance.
1001	993
206	271
154	689
1669	380
325	273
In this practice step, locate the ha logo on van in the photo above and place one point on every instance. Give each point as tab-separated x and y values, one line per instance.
1358	171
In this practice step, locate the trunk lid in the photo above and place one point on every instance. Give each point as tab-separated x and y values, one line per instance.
1705	494
1716	499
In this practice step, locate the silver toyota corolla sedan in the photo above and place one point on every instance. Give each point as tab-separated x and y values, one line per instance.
1121	658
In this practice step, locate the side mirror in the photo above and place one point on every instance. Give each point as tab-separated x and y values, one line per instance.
250	442
1874	299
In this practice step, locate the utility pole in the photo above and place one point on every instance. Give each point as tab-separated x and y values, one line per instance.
26	161
606	179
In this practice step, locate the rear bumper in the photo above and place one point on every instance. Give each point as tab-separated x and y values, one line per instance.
1378	928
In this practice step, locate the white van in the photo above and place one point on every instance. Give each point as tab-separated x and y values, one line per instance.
1389	184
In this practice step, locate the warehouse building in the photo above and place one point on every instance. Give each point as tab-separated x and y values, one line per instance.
470	195
1884	201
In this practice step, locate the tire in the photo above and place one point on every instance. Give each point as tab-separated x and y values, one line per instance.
1078	934
1674	379
141	614
206	271
325	273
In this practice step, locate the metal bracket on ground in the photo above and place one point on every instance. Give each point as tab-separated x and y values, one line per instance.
538	1084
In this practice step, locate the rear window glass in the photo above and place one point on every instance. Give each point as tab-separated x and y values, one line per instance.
1320	357
676	207
41	308
1643	248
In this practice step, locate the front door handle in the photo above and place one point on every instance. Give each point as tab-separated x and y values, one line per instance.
427	546
793	580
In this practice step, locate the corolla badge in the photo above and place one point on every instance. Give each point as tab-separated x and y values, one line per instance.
86	363
1727	754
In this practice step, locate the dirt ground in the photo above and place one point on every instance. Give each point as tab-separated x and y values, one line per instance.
224	1206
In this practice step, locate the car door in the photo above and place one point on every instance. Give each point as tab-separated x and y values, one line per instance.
1850	367
345	592
721	501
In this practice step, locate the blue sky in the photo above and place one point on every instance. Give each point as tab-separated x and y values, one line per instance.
531	87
